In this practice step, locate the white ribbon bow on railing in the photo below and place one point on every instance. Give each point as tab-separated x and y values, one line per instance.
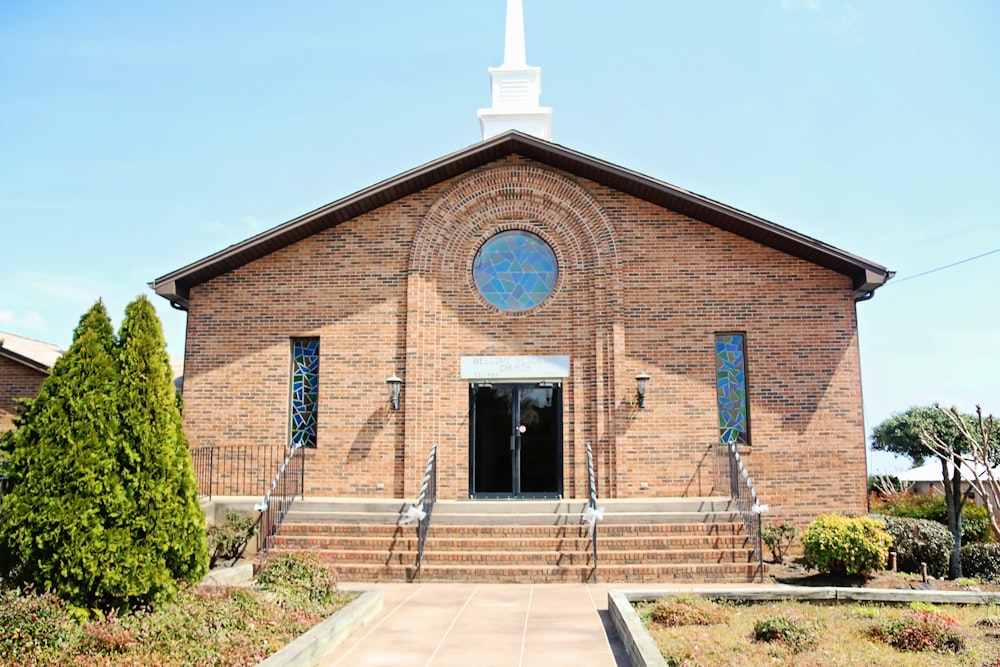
261	507
759	509
592	515
415	513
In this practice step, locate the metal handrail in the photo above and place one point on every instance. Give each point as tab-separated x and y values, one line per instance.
280	496
593	514
421	512
731	471
236	470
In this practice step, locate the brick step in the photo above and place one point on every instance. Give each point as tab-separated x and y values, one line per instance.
506	518
517	506
468	543
579	530
554	558
520	511
709	572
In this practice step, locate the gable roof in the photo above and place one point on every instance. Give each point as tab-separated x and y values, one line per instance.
866	275
34	354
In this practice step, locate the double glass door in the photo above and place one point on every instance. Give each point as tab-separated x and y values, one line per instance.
516	440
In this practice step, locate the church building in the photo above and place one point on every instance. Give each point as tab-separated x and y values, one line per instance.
516	302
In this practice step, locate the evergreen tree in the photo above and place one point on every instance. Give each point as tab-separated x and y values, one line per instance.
167	522
64	518
103	507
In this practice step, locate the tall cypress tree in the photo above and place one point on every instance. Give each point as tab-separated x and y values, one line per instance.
167	522
63	517
103	508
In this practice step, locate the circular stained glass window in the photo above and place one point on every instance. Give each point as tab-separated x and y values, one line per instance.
515	271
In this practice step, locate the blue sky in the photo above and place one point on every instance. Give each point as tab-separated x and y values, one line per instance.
137	137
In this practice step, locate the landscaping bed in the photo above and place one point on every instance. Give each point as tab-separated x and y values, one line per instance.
695	631
218	626
797	574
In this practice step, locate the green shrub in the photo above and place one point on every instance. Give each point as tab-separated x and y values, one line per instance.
981	561
301	578
920	631
682	610
919	541
229	540
783	630
840	545
975	520
778	539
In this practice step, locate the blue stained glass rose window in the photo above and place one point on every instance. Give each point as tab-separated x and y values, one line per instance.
515	271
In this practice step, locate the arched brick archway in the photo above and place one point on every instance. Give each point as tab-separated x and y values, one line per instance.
443	307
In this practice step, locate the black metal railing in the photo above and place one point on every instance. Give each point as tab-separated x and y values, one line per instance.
236	470
421	512
732	474
288	484
593	514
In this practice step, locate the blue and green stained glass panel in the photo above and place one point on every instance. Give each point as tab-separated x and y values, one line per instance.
515	271
305	391
731	377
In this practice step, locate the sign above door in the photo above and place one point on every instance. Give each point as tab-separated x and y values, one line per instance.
515	368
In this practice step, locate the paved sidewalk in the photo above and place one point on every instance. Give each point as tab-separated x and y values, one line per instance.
509	625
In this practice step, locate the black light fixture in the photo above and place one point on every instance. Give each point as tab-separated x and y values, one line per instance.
641	385
395	385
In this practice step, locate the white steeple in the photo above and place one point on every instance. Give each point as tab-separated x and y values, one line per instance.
516	87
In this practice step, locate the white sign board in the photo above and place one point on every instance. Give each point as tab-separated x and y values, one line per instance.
514	368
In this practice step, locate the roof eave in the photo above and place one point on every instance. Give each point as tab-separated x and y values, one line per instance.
25	361
866	276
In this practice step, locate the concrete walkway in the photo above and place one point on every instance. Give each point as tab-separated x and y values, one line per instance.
508	625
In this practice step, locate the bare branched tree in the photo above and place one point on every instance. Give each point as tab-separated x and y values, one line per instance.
978	457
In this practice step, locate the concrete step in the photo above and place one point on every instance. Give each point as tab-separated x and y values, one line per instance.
707	572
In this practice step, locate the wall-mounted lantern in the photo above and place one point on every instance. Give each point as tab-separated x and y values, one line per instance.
641	385
395	386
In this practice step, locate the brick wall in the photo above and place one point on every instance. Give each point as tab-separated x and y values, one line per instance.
640	288
16	381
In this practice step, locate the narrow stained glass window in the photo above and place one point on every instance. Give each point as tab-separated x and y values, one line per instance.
731	377
515	271
304	391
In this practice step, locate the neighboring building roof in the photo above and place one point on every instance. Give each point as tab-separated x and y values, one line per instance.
866	275
931	472
32	353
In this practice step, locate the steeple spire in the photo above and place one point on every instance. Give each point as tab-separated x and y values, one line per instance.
513	46
516	87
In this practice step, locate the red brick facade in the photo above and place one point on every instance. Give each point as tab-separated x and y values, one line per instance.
16	381
640	287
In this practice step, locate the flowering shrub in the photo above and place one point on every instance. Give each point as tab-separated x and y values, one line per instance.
920	631
841	545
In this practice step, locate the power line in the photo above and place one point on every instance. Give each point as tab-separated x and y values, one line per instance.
942	268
